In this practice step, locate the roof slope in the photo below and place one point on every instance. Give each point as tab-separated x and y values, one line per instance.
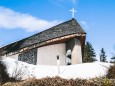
63	29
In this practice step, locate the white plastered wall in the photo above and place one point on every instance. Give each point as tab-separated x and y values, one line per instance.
47	55
77	54
14	56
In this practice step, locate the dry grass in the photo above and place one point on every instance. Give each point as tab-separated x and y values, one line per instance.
57	81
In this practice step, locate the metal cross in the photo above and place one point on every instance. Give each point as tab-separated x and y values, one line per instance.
73	12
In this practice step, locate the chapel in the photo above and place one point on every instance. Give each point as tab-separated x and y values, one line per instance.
65	40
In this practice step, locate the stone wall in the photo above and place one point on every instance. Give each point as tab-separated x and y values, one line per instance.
29	56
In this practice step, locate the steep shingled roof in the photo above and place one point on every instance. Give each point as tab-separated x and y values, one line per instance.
63	29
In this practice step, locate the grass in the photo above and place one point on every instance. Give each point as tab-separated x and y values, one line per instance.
57	81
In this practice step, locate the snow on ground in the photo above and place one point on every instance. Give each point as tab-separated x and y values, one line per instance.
86	70
21	70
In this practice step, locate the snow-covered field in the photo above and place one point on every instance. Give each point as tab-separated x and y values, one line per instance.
21	70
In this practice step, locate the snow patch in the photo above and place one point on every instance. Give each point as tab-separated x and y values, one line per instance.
21	70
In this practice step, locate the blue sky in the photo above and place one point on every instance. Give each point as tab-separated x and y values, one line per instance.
23	18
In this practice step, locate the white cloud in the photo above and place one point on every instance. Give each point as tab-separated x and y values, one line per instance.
10	19
84	24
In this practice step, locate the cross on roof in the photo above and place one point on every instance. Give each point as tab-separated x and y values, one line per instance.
73	12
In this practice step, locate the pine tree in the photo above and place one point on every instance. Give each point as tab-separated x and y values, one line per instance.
112	59
103	56
89	53
0	52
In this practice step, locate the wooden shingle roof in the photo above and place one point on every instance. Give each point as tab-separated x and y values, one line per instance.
63	29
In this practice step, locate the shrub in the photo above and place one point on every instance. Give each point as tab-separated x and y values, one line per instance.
106	82
3	74
111	72
4	77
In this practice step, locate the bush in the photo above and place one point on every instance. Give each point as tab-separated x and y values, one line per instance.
4	77
111	72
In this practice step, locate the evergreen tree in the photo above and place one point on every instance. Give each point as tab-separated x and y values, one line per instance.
103	56
0	52
89	53
112	59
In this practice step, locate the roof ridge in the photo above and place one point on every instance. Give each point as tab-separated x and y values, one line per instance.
52	27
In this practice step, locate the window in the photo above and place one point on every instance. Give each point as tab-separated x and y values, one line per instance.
29	56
